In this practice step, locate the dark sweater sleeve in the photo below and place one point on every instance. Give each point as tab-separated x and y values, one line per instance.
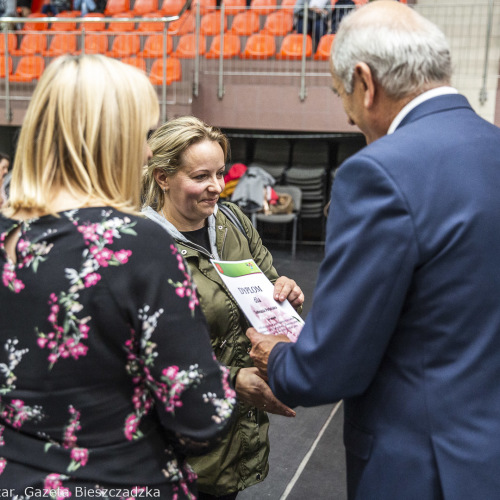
170	359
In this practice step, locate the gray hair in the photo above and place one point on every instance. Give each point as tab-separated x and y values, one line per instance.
403	56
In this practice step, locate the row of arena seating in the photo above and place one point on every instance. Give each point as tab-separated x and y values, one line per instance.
257	46
243	23
173	7
30	68
262	32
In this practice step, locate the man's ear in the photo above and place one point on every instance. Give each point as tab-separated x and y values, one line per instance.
161	179
364	74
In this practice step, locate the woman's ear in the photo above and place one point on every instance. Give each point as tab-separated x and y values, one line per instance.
161	179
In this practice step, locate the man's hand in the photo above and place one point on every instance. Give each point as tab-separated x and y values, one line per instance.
251	389
262	346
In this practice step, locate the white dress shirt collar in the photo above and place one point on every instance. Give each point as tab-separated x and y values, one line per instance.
419	100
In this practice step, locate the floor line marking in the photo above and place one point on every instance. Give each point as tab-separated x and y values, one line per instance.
308	455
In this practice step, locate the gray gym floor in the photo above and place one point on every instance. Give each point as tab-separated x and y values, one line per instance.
307	455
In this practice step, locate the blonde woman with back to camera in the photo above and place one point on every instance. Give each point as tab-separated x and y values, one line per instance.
106	372
182	184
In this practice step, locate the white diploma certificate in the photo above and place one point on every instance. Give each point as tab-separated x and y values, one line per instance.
254	294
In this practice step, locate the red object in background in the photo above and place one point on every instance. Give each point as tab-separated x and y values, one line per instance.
36	5
235	172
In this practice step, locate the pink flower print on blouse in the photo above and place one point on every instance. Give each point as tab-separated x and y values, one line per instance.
122	256
223	406
69	440
131	429
79	456
187	288
53	487
3	462
13	358
185	489
32	254
9	278
141	354
64	341
91	279
16	412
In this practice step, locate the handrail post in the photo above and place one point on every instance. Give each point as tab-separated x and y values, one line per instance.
196	79
83	38
483	93
220	88
8	109
164	82
303	90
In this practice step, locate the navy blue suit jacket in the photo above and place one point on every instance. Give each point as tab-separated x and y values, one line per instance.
405	320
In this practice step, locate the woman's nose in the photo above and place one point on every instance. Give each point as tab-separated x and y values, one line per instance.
215	185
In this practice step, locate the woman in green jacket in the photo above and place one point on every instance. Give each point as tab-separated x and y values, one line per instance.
181	190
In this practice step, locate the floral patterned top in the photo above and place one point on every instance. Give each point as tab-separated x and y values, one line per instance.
107	377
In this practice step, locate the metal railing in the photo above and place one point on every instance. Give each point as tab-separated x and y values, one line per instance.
473	28
11	92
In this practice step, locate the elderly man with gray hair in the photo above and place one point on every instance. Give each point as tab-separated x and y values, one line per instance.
405	321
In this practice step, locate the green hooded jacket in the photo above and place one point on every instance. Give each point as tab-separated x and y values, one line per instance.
242	457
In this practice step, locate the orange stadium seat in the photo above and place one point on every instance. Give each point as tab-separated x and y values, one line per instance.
278	23
144	7
288	5
137	62
153	46
186	47
182	26
2	66
125	45
29	26
32	43
211	24
96	43
62	43
173	71
324	47
245	23
11	43
263	7
64	26
122	27
291	47
205	6
171	7
29	68
232	46
233	7
259	46
95	26
151	26
116	7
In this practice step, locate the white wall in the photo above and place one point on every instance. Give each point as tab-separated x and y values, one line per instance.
465	23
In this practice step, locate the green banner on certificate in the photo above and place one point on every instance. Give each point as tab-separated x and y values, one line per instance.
237	268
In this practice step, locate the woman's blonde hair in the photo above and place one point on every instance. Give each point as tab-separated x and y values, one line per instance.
168	144
85	130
